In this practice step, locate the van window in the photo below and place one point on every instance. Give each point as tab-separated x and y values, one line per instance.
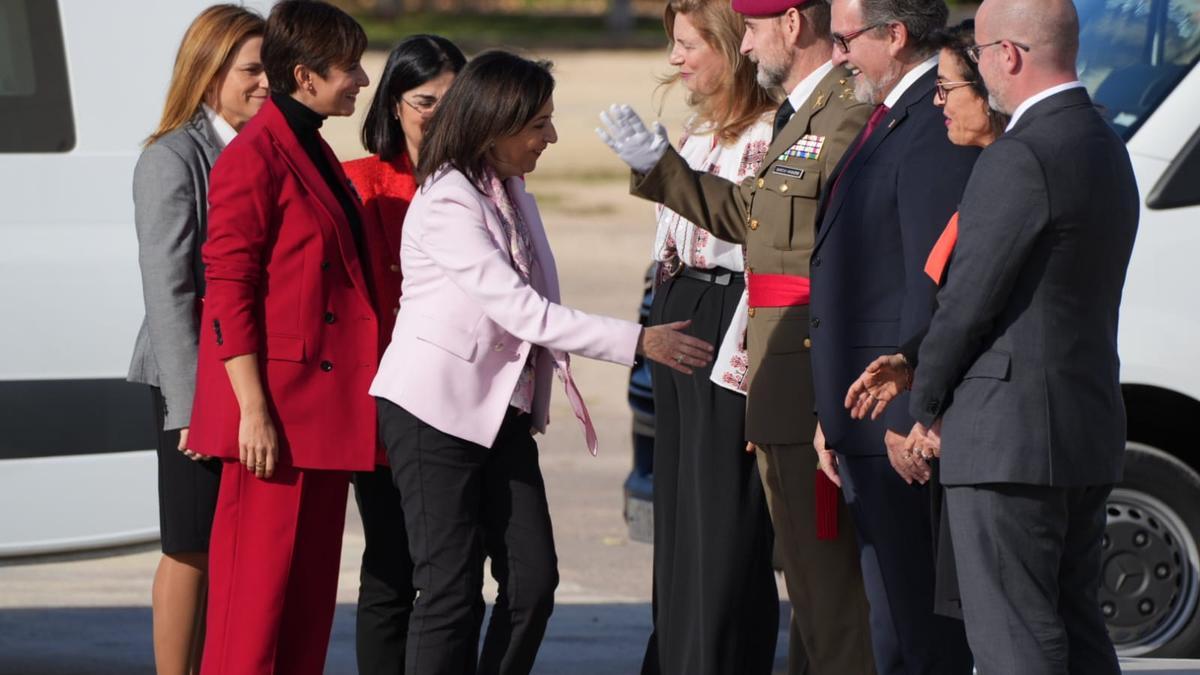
1132	53
35	95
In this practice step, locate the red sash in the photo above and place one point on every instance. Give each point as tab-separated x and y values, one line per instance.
789	290
777	290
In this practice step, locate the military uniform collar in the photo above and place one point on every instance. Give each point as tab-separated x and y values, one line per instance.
808	85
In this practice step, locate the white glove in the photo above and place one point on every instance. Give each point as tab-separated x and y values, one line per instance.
624	132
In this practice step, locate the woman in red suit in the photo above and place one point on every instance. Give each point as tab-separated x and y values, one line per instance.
417	74
288	348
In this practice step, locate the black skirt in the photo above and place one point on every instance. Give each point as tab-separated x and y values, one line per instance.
187	491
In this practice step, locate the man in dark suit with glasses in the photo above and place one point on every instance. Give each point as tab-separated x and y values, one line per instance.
888	201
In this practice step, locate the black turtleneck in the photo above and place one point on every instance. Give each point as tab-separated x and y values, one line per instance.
306	124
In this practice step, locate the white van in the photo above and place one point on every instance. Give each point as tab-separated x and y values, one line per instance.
82	83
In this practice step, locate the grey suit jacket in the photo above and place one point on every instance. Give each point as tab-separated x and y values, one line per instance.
170	197
1021	356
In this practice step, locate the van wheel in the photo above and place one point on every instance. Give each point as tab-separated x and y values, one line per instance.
1149	585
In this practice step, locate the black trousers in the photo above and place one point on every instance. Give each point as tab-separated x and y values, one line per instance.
896	551
716	609
1030	558
385	591
460	499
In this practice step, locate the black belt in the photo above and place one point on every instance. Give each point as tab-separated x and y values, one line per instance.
718	275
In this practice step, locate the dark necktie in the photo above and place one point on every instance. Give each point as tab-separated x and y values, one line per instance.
877	116
783	117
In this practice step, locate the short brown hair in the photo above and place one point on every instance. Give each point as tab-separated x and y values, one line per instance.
495	96
207	49
739	101
308	33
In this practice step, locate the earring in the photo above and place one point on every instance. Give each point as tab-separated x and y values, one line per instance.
311	89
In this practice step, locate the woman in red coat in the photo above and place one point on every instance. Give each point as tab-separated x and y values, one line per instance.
417	74
288	348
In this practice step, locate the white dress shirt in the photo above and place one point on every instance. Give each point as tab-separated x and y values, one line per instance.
910	78
1038	98
225	131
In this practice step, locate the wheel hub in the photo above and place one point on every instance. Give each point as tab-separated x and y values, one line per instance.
1148	587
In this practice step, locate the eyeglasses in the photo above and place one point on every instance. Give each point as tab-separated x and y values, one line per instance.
843	41
944	87
973	52
425	106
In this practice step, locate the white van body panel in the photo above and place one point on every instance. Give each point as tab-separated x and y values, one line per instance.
70	287
1160	309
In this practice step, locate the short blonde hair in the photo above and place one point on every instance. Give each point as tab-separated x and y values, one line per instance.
739	101
207	49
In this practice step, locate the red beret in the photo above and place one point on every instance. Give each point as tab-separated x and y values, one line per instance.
766	7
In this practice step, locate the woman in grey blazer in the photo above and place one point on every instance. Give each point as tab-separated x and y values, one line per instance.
217	85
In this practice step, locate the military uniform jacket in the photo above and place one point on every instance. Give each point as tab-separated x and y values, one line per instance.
773	214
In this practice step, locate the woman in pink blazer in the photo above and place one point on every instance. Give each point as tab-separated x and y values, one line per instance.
466	379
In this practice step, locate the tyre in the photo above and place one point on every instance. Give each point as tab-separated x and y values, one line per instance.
1150	583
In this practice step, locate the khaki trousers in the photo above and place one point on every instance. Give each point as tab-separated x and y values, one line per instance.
829	632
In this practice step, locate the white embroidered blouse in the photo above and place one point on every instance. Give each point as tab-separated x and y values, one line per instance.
679	241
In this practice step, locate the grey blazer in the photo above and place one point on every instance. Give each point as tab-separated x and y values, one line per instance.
170	197
1021	356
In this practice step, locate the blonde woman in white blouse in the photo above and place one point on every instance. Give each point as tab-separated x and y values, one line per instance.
716	606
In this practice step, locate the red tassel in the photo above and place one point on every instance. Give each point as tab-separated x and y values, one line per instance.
827	498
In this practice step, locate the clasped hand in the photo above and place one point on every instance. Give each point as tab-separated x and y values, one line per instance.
624	131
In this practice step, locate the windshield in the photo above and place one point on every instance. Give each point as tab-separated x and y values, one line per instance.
1132	53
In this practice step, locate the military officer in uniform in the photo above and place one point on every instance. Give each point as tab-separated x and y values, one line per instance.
773	214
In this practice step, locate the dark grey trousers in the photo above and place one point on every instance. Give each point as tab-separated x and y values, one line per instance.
1029	573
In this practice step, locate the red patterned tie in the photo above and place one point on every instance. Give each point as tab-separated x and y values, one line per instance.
877	116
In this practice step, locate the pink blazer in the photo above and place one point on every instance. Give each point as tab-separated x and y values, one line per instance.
467	321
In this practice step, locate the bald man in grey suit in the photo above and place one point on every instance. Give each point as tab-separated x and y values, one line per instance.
1020	365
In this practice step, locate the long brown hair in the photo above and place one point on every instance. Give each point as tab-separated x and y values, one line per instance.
207	49
495	96
739	101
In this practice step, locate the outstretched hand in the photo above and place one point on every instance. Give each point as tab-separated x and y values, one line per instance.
624	131
884	379
669	345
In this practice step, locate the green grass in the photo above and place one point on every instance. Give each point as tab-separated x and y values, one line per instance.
475	32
